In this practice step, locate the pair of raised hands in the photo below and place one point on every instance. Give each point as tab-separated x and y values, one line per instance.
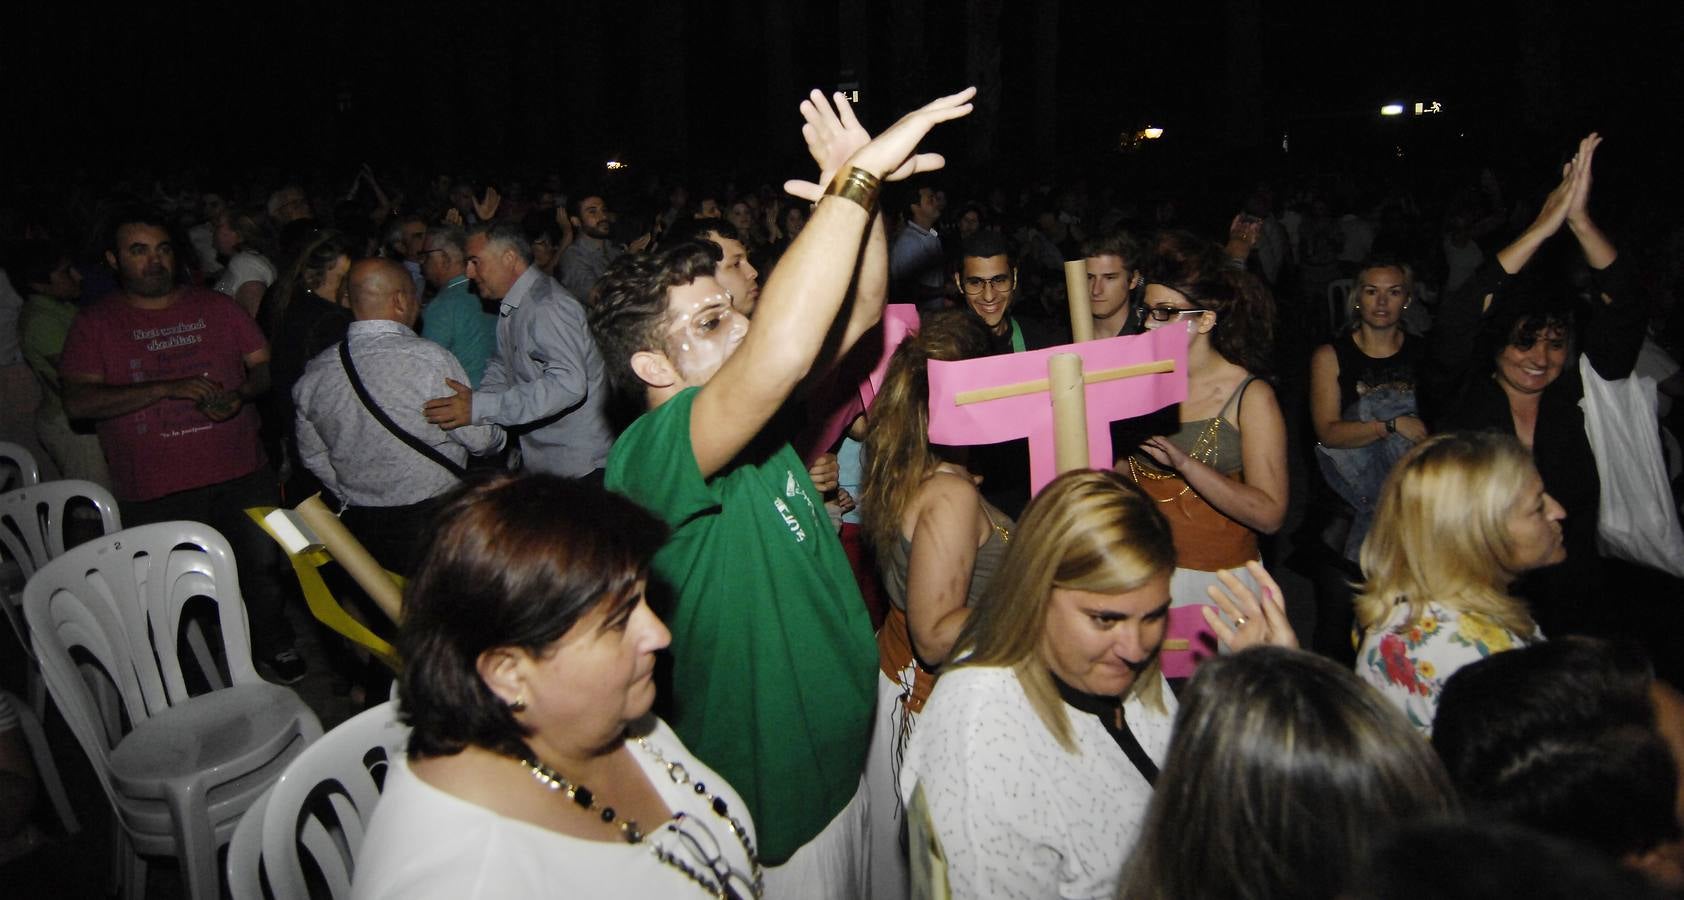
836	139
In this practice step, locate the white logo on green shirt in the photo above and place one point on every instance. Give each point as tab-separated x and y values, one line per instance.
790	520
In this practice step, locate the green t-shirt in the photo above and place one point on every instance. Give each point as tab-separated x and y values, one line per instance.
43	325
774	663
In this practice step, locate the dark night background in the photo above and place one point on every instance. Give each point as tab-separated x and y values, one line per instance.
708	89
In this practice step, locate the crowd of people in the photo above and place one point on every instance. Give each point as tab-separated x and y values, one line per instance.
661	640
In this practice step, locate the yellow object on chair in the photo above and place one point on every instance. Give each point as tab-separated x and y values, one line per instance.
323	605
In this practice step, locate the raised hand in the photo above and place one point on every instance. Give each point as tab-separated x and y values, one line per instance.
1254	623
1578	200
832	136
893	155
486	207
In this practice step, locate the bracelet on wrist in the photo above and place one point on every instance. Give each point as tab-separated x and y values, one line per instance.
858	186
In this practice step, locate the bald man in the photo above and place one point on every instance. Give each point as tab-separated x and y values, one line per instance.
387	485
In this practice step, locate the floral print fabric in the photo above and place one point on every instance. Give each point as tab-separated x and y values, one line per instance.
1409	661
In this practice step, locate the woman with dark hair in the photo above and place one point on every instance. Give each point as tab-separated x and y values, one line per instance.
243	239
938	544
303	315
533	764
1222	479
1500	358
1283	772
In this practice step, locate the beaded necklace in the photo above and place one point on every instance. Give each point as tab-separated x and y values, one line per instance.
721	887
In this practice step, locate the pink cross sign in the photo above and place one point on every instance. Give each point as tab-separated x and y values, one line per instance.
1000	398
839	403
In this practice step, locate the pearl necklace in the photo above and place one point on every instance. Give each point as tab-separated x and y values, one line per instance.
721	886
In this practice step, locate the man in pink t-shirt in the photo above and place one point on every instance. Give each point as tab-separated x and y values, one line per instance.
168	371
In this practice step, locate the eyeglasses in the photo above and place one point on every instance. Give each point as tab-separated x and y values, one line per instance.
974	285
1166	312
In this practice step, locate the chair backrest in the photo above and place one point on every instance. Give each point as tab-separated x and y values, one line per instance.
1338	305
33	519
120	598
317	811
17	467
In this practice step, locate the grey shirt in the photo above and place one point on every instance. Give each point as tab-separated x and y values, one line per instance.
584	261
547	382
342	443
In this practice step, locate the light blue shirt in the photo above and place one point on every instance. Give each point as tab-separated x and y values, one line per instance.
547	382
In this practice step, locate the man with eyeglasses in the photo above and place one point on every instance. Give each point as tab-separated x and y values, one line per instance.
987	280
456	319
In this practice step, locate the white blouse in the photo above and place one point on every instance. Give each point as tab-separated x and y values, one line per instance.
426	843
1017	815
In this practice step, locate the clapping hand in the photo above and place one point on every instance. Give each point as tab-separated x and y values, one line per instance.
1254	623
1578	200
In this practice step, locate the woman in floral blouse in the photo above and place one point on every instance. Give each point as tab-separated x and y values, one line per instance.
1460	518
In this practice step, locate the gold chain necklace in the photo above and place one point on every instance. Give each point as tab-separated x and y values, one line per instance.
1205	449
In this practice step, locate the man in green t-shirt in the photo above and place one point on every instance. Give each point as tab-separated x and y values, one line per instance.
773	661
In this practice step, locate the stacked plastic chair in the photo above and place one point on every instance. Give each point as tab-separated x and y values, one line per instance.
308	829
190	762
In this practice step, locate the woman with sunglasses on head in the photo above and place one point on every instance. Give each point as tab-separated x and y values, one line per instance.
1222	478
534	768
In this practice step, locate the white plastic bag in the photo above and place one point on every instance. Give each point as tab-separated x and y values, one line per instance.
1637	521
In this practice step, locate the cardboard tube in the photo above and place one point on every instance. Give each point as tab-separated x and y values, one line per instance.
1081	307
353	556
1070	412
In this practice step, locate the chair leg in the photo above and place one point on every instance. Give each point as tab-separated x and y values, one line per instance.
133	868
195	844
45	768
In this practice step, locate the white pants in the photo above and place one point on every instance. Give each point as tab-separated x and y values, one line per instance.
890	879
831	866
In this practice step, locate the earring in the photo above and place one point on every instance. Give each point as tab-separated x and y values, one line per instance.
519	704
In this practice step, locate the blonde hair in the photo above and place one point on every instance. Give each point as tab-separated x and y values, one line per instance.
1441	532
1087	530
897	458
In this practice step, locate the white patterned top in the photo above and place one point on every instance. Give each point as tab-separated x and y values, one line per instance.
1017	815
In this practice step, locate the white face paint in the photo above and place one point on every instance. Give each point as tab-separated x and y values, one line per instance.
705	329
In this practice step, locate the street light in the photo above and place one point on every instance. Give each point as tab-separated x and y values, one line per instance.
1151	132
1392	109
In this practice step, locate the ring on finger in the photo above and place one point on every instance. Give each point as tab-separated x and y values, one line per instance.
1239	621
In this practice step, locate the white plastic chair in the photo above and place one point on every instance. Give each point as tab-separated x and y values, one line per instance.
189	765
46	768
318	809
1338	304
32	533
17	467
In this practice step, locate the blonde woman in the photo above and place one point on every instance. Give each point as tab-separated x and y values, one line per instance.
1459	520
938	546
1037	751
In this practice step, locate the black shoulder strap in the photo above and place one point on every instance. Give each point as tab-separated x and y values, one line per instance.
1137	754
380	416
